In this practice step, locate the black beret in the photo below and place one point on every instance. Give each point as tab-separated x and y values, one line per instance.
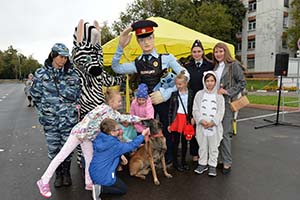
197	43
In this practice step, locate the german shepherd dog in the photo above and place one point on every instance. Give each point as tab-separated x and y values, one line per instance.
150	154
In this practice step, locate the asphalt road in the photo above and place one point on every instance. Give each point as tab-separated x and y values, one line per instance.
266	161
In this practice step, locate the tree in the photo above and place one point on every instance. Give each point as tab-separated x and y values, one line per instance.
237	11
14	65
293	32
210	19
142	9
198	15
106	33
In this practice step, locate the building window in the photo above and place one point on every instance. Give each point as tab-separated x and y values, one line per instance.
285	21
251	44
239	46
286	3
252	25
250	63
284	38
252	6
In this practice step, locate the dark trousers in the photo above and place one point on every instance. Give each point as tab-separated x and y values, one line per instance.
175	137
162	110
194	147
118	188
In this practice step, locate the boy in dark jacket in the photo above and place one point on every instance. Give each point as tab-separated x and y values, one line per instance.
107	152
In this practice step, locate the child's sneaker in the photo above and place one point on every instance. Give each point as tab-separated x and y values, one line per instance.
96	192
44	189
200	169
212	171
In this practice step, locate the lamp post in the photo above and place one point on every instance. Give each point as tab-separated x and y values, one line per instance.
20	68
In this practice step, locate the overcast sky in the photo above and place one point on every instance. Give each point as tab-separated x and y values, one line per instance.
33	26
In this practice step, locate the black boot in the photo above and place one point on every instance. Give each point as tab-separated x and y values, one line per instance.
67	181
59	178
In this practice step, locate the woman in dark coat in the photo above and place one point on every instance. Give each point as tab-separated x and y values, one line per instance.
196	67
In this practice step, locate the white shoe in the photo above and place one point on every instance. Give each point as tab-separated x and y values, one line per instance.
96	192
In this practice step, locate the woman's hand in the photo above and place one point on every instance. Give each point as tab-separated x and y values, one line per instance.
222	91
125	37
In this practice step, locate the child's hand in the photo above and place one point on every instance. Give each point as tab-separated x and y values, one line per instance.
124	160
144	118
169	129
210	124
146	132
203	123
193	121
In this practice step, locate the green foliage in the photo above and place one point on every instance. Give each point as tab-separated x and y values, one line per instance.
106	34
221	19
14	65
210	19
293	31
260	84
142	9
271	100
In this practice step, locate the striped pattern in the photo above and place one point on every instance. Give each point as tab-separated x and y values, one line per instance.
87	56
91	89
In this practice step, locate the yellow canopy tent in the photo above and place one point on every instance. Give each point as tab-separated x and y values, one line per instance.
170	37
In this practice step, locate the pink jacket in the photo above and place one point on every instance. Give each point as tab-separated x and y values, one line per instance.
143	111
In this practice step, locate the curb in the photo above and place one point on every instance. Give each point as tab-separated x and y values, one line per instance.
272	107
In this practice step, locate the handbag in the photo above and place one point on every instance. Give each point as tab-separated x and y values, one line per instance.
189	130
242	101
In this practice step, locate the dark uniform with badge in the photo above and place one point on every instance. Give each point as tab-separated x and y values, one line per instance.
196	70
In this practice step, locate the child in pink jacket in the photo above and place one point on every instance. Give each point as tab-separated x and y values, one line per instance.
142	106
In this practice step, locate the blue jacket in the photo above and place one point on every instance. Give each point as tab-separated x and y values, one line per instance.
106	157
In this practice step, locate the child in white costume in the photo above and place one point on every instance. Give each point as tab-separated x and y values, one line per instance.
208	112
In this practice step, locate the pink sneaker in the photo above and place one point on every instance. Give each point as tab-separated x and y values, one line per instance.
44	189
89	187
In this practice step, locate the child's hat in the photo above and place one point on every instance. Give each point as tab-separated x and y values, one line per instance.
142	91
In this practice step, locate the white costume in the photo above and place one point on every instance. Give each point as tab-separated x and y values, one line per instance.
208	106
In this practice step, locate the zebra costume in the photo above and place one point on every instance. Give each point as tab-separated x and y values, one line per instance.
87	56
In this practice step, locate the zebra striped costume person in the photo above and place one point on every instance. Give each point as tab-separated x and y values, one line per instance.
87	56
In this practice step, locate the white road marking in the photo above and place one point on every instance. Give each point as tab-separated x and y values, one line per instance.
263	116
1	150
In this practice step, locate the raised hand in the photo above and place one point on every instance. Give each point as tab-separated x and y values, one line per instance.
125	37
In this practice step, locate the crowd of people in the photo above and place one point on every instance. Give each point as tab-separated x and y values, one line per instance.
71	114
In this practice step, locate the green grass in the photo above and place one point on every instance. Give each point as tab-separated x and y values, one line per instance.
260	84
271	100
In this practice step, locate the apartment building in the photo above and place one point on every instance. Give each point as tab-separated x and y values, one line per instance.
263	34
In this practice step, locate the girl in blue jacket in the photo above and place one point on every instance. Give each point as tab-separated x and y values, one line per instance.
107	152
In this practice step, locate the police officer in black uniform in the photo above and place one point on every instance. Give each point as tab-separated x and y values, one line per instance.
196	67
